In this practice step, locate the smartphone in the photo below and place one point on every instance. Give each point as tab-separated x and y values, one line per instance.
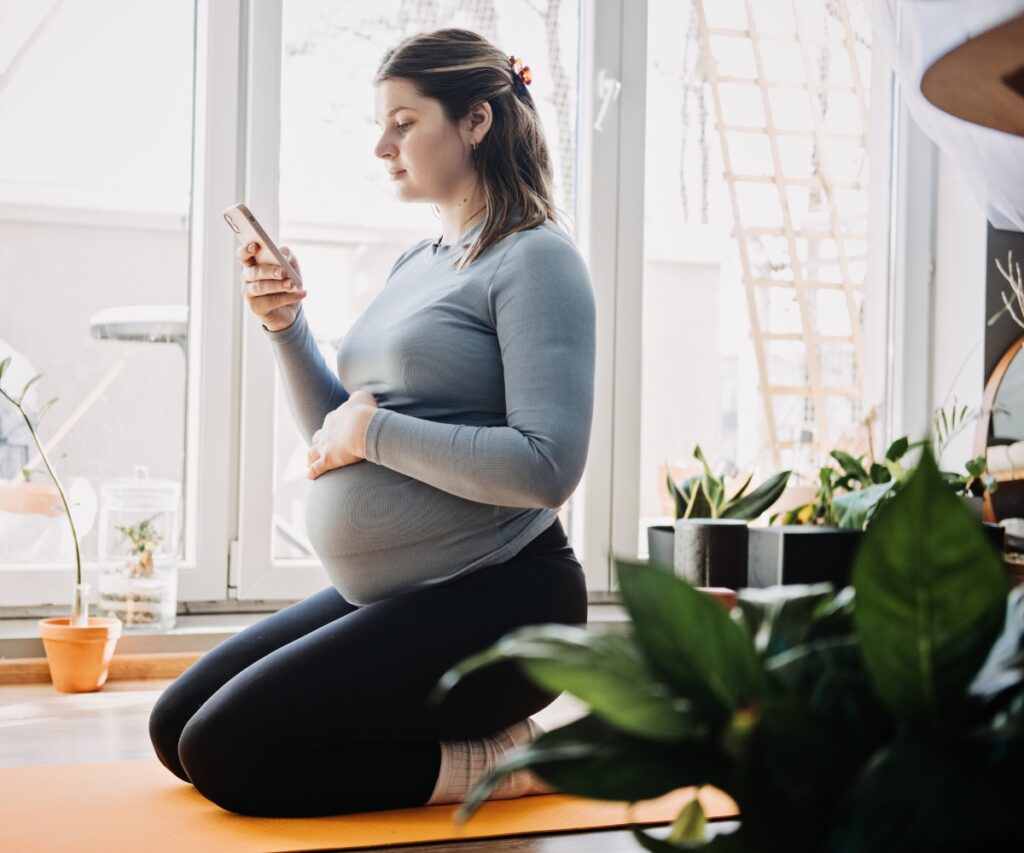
248	230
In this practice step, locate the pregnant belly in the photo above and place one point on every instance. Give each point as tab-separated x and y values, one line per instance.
366	508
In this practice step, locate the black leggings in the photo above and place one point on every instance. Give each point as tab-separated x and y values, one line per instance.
321	708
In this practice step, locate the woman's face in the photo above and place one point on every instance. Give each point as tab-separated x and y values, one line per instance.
424	152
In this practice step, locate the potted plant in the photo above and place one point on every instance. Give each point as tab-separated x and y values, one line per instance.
709	538
78	647
884	716
976	483
817	541
142	591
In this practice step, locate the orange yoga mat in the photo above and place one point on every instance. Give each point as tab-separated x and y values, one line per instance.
140	805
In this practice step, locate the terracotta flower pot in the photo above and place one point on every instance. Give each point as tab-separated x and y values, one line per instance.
723	595
79	658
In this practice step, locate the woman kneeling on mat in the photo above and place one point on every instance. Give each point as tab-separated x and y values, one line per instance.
456	426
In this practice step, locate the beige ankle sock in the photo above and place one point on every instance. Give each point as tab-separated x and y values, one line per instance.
463	762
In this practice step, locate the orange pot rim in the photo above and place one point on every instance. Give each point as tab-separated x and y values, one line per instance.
99	627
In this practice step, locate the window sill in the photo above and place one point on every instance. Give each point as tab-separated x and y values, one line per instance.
200	632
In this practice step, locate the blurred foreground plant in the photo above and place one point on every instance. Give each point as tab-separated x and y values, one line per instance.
886	716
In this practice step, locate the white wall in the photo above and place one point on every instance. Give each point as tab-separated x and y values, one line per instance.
958	348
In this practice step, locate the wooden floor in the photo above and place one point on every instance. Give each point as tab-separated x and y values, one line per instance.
39	725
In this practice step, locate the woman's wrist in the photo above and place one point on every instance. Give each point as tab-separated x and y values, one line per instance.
365	415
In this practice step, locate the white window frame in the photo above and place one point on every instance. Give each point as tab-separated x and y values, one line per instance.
214	309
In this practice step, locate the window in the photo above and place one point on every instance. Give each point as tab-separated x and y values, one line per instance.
95	176
756	239
729	308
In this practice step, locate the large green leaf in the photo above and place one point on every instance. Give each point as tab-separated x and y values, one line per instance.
742	490
851	466
589	758
607	671
855	509
898	448
931	599
780	617
912	796
690	639
751	506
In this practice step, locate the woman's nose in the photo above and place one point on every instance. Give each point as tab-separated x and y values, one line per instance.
384	149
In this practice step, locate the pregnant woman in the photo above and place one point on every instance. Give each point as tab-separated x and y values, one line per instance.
455	427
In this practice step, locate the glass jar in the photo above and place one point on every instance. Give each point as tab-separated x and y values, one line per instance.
138	551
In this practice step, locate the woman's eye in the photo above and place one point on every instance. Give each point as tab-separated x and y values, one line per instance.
402	127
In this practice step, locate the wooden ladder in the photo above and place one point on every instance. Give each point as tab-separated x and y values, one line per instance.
798	276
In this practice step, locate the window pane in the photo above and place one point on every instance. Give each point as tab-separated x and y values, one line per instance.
755	239
338	209
95	172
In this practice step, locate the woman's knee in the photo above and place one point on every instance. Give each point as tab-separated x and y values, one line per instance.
167	718
211	758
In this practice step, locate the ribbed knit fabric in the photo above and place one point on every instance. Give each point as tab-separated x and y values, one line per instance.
464	762
485	382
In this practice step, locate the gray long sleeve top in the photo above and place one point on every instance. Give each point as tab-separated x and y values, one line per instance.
485	382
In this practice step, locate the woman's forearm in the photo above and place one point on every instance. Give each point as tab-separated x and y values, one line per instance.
312	387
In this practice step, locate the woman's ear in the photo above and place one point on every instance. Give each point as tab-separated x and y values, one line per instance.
478	121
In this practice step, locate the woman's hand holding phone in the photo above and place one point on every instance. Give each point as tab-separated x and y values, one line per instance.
272	296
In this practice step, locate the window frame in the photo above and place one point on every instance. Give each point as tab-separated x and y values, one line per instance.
211	413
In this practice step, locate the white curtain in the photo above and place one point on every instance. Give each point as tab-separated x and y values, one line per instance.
912	34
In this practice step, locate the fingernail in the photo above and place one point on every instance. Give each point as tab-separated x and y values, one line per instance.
251	247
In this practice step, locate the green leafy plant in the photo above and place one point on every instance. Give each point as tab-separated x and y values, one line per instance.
950	421
885	716
144	538
18	403
703	495
850	495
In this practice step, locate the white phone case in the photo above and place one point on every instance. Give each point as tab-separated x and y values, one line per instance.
248	230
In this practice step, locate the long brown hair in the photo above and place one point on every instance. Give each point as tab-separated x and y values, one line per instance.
460	69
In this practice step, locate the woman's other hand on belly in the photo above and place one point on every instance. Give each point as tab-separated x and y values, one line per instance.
341	440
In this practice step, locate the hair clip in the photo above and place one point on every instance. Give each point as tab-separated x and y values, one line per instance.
520	70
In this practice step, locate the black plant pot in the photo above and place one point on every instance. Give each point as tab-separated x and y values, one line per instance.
661	544
996	535
712	552
801	553
804	553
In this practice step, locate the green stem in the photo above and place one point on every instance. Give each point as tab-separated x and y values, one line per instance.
56	480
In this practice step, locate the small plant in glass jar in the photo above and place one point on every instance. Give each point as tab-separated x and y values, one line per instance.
138	536
144	538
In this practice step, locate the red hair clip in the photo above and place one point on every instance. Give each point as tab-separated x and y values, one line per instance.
522	71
